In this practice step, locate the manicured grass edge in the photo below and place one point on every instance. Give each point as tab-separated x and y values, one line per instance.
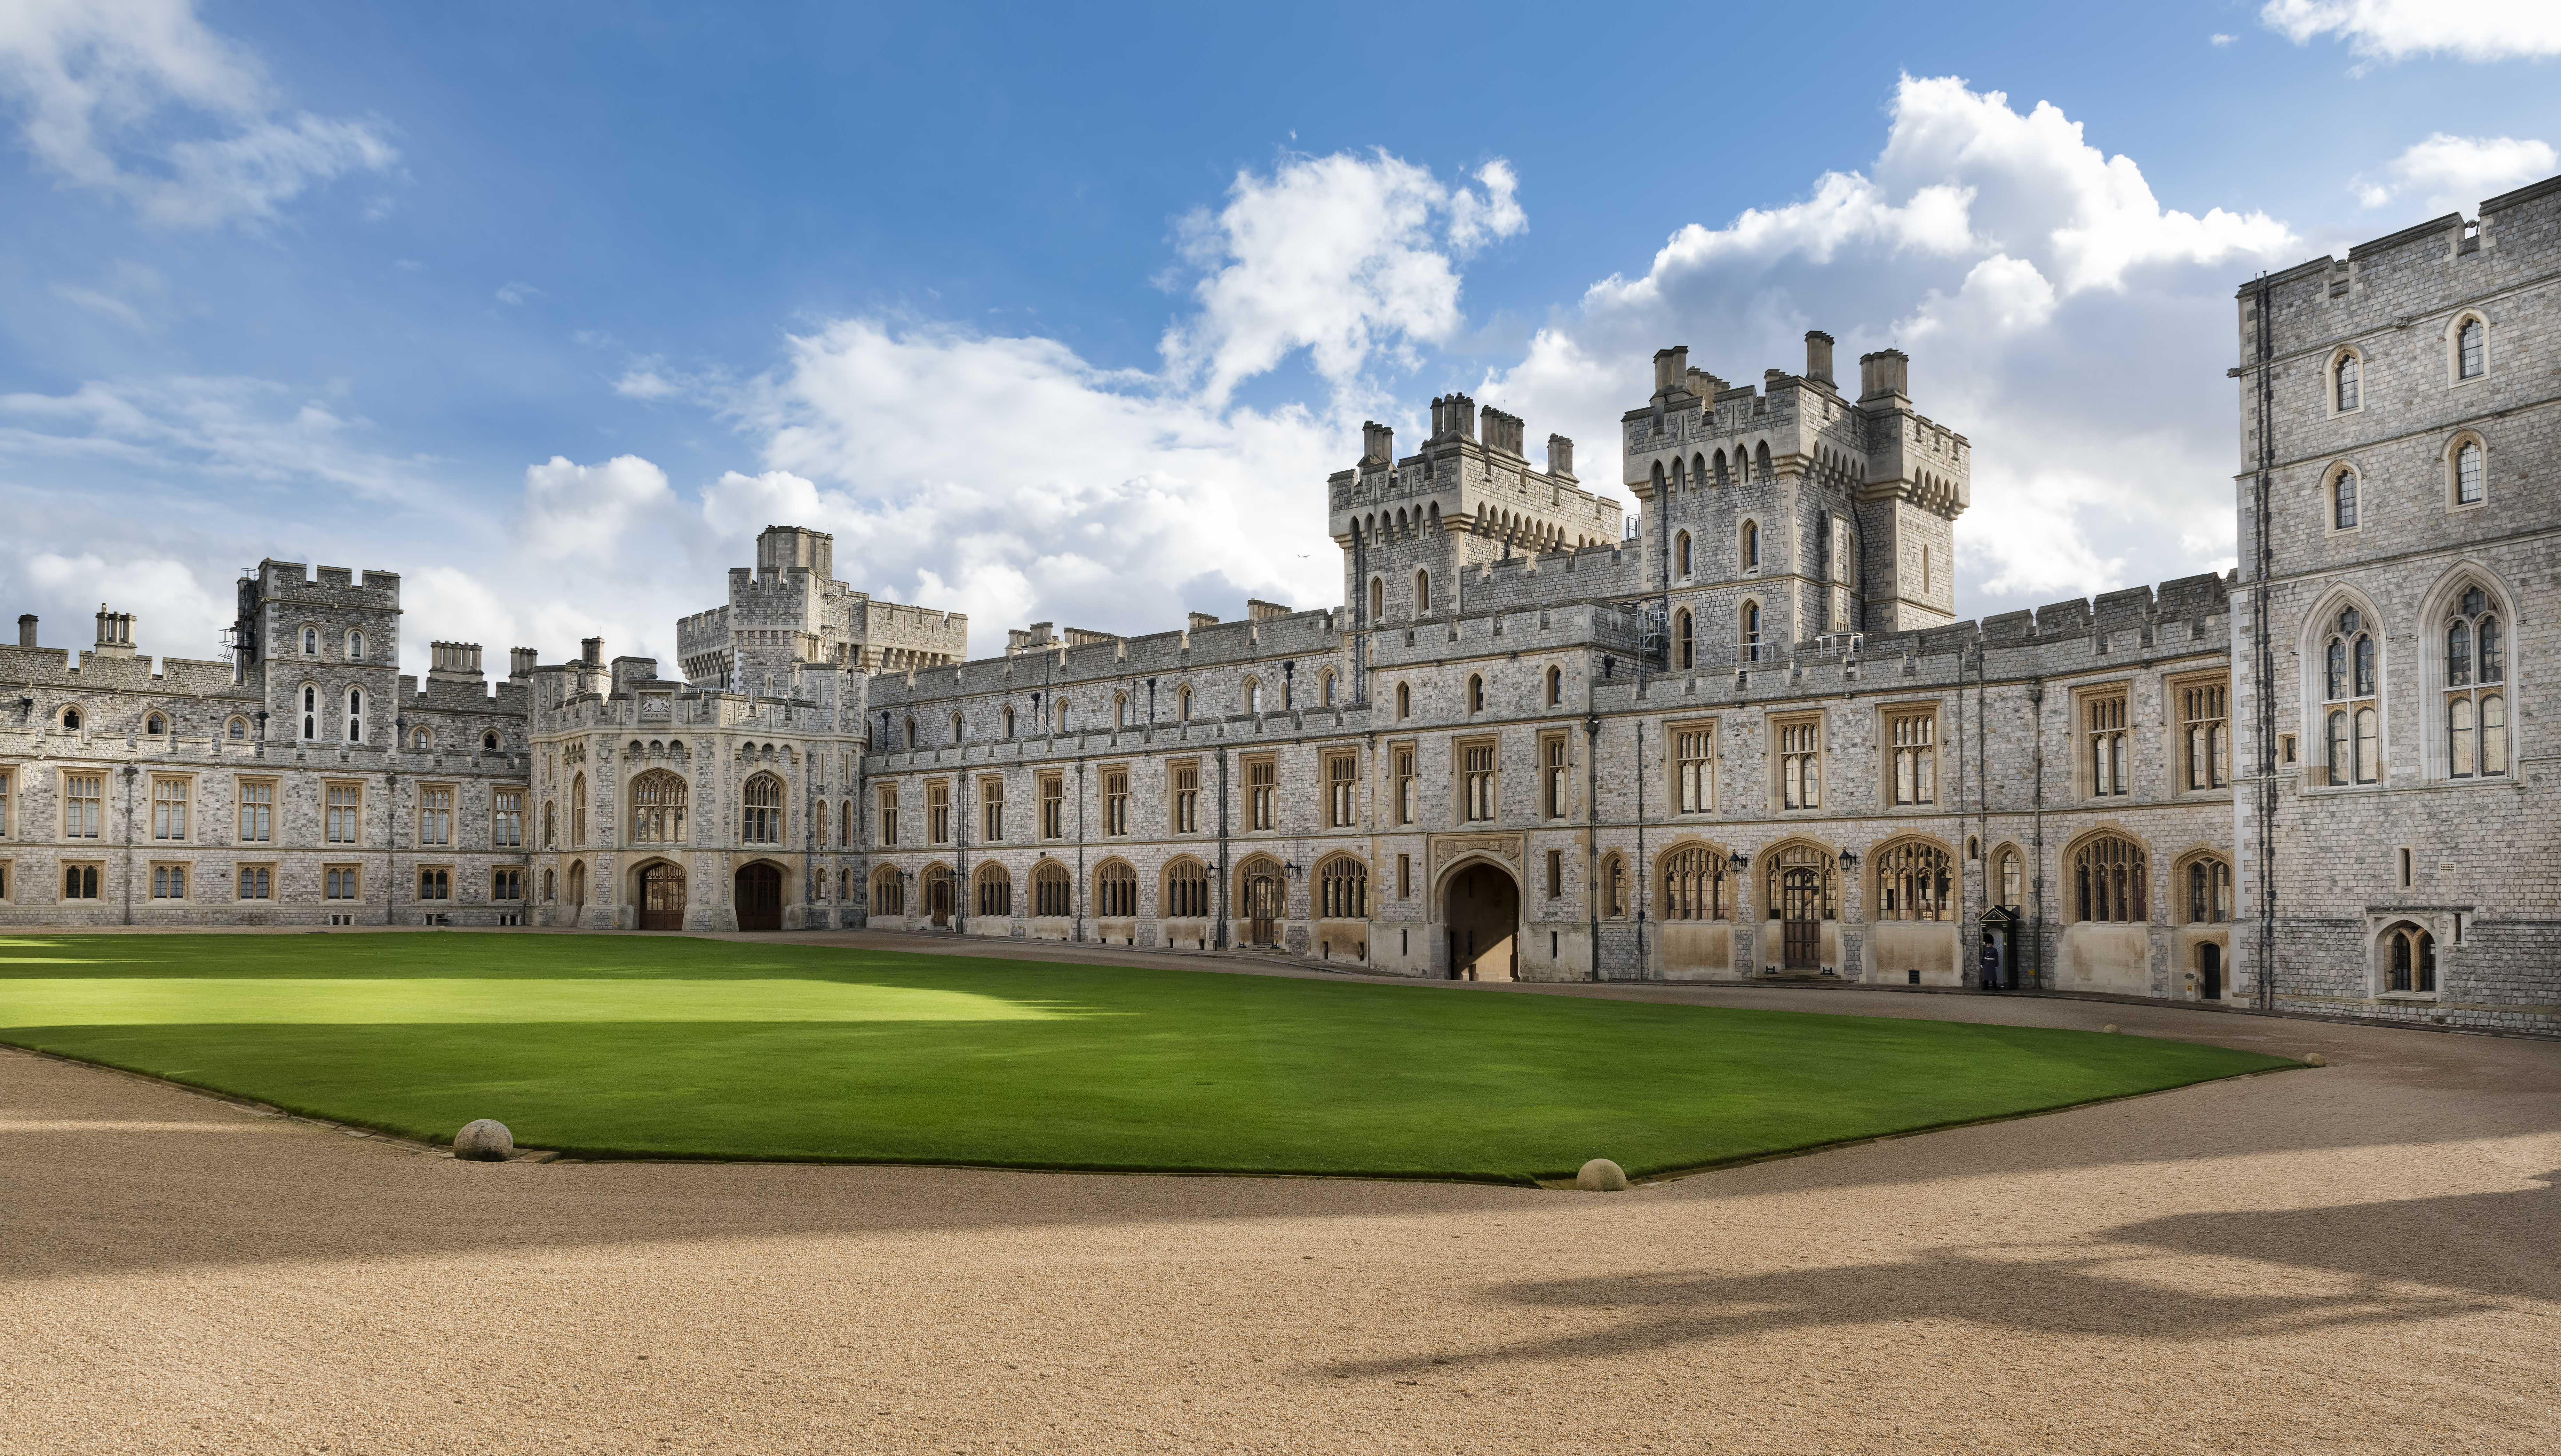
1657	1173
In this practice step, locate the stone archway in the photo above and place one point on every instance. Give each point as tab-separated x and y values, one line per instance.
662	897
760	898
1480	907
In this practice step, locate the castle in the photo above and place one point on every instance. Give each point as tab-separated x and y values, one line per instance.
1739	737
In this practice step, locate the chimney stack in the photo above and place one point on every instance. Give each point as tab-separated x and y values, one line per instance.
1560	457
1886	371
27	629
1377	443
115	632
521	661
590	650
1818	357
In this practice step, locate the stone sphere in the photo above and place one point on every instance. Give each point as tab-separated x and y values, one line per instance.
1601	1176
484	1141
2314	1058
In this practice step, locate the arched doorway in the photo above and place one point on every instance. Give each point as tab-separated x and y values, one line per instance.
578	892
1260	901
939	896
760	898
2209	971
1482	907
662	897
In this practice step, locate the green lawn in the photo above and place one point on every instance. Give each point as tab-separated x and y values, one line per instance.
709	1048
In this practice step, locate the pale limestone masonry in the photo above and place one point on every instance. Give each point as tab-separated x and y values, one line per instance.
1738	737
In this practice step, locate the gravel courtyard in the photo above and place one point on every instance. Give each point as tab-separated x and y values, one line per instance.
2357	1257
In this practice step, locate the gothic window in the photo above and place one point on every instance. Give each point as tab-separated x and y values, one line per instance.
1344	889
1186	890
1064	718
910	734
937	811
1912	882
1694	886
1804	884
355	716
2468	473
1116	801
2342	499
1183	705
1261	794
1614	886
2209	891
2413	964
507	819
1916	757
1800	766
355	646
310	714
889	892
1694	776
256	813
71	718
1405	785
2208	741
1009	720
435	816
2352	723
1120	710
1253	696
1187	798
169	799
995	892
1477	793
956	729
1552	753
1751	545
238	730
490	742
310	642
155	725
551	825
1475	693
418	740
1115	890
1422	593
2106	743
1751	631
1325	689
2468	350
2343	383
1404	701
343	822
1377	597
1680	556
759	811
2010	871
578	811
1053	805
1052	892
1341	780
1684	647
658	809
2476	697
2110	878
1555	687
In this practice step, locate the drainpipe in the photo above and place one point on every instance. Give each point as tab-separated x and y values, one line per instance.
1592	831
2036	920
131	772
1076	897
1221	934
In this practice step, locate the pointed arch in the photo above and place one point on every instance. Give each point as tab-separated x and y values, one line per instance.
2347	726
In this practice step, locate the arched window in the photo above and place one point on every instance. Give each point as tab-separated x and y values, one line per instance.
889	892
956	729
995	892
2413	964
2342	499
490	742
2110	882
1475	693
1253	696
419	740
1912	882
355	714
1422	593
551	830
577	812
845	824
1120	710
910	734
2468	473
1751	631
1751	545
760	810
1614	886
2343	383
1684	645
2352	726
71	717
1377	597
310	642
1680	556
1116	891
1186	890
237	730
2010	874
2469	359
2476	695
1052	892
155	725
1344	889
658	809
1694	887
1556	687
2209	891
1804	885
355	646
1065	716
551	885
311	714
1009	720
1403	701
1183	705
1325	689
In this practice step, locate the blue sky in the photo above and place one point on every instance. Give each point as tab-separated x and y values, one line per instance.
1064	316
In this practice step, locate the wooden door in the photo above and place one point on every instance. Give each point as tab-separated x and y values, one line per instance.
1800	908
662	897
760	898
937	896
2209	967
1261	907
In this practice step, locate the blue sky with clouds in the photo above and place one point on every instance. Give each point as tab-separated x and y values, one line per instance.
1060	315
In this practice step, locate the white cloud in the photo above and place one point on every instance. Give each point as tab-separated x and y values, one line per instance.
2050	301
1339	256
2456	174
2395	30
2219	40
512	294
247	430
100	85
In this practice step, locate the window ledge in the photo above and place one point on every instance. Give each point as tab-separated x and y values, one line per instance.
2408	997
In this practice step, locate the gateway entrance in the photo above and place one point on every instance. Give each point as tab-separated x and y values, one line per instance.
760	898
662	897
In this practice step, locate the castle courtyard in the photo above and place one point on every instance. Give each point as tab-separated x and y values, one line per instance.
2359	1257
